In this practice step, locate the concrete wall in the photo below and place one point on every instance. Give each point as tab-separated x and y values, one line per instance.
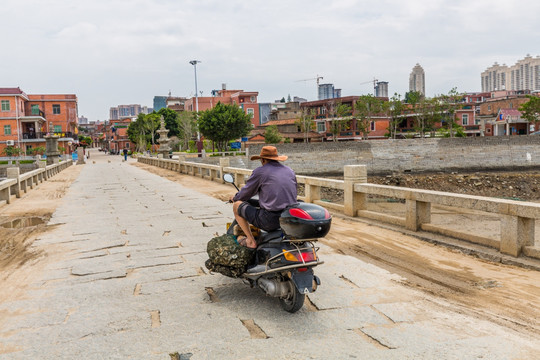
414	155
398	156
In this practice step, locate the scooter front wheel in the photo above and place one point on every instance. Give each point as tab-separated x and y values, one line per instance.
294	301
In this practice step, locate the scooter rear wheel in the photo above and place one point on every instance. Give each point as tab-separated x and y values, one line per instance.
294	301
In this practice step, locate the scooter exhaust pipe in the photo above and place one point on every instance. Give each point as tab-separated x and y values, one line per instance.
274	288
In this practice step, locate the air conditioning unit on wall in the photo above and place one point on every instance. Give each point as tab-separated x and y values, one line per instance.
10	142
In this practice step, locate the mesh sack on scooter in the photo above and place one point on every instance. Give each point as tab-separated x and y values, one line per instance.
224	270
225	251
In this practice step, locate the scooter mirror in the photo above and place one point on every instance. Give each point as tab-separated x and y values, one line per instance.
228	178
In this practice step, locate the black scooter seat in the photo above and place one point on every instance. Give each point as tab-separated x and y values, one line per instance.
270	237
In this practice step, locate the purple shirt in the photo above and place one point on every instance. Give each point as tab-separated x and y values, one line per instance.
275	184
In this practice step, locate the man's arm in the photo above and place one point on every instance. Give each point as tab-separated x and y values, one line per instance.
250	189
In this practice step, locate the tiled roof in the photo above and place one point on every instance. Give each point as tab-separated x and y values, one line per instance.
11	91
510	112
280	122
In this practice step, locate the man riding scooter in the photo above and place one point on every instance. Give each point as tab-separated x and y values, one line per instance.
275	185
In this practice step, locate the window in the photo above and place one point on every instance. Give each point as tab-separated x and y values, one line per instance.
372	126
5	105
321	127
35	109
252	99
57	128
465	119
56	109
476	121
7	129
250	112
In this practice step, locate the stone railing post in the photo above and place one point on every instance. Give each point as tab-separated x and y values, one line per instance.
42	166
311	192
516	232
417	213
223	163
80	156
353	201
13	173
181	161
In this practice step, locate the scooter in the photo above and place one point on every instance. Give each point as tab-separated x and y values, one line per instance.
285	258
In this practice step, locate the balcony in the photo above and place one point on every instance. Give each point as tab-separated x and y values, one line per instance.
41	135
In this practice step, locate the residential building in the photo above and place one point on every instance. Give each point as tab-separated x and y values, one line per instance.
176	103
160	102
289	129
381	89
125	111
116	135
26	119
417	80
324	111
508	122
247	100
326	91
522	76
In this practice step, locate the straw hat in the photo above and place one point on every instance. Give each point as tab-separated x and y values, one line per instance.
270	153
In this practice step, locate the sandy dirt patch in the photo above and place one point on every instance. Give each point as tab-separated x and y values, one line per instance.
505	294
20	223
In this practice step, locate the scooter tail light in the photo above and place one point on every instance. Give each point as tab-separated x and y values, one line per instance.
309	256
289	256
326	214
301	214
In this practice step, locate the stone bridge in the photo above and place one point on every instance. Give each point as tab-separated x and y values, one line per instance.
124	278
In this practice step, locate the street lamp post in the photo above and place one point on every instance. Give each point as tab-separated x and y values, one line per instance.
194	63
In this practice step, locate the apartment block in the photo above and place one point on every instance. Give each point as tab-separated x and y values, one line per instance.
247	100
25	119
522	76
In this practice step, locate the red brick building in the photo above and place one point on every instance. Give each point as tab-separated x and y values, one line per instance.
322	109
26	119
247	100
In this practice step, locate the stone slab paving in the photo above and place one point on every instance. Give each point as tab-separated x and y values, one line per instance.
133	286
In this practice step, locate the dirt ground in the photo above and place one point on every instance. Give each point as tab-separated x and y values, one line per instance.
20	261
505	294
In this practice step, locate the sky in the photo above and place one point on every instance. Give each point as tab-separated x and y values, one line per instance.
112	52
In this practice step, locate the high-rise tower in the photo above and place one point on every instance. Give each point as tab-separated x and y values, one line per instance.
417	80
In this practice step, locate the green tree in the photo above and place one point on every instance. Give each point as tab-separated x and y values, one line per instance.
187	127
12	151
272	135
85	141
446	105
340	117
171	121
224	123
413	97
427	112
367	106
137	133
306	122
530	110
457	131
396	109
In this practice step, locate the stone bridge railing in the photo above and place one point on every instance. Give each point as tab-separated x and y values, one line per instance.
517	218
17	183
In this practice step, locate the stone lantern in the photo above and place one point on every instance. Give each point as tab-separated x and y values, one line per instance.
164	141
51	142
